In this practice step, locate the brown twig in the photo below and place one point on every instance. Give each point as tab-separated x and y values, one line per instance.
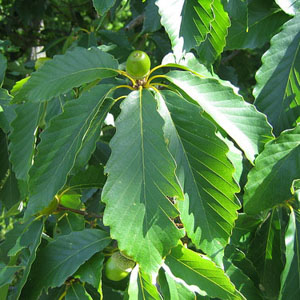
80	212
135	22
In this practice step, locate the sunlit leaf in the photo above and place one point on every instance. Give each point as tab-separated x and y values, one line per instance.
186	22
210	206
239	119
141	287
215	40
290	279
64	72
197	270
60	143
141	178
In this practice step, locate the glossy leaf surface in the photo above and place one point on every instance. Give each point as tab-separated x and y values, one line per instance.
210	208
141	178
238	118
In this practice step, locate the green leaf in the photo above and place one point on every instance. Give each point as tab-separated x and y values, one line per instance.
76	291
197	270
152	18
141	287
172	289
9	194
290	278
60	143
242	282
4	163
8	113
269	182
92	136
91	271
29	241
253	23
61	258
215	40
93	176
290	7
186	22
265	253
18	85
11	237
241	121
22	138
204	171
7	274
68	223
103	6
64	72
3	65
277	91
141	177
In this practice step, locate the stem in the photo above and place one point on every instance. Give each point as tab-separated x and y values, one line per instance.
126	75
157	76
121	97
161	84
62	295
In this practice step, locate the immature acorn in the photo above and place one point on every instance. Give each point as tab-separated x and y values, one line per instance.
118	267
138	64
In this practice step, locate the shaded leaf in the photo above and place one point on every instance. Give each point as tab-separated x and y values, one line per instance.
277	91
269	182
9	194
152	17
204	171
242	282
186	22
64	72
3	65
93	176
290	278
141	177
68	223
4	163
62	257
92	136
76	291
29	241
265	253
7	111
91	271
197	270
7	274
253	23
59	146
241	121
22	138
103	6
11	237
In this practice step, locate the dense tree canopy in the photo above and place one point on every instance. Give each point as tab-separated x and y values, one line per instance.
149	149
